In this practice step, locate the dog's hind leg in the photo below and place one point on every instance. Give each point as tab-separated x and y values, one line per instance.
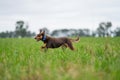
69	43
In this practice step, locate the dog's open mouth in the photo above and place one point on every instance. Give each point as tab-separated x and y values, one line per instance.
37	40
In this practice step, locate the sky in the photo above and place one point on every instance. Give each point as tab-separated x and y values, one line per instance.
58	14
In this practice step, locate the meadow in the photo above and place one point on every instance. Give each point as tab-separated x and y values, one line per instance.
93	59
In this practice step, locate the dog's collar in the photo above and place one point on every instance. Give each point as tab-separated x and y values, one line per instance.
44	38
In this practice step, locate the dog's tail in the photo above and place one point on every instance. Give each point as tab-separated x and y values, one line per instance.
75	40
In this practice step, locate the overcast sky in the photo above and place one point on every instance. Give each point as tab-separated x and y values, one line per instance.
57	14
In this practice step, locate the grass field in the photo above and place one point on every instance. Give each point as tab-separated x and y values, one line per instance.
93	59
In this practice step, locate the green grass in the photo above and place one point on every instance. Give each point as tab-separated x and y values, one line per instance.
93	59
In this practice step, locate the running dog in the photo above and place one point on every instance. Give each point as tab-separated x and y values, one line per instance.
51	42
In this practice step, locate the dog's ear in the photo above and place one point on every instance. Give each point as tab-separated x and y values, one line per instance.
40	30
43	31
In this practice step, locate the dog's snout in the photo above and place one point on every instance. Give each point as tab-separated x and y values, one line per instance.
35	38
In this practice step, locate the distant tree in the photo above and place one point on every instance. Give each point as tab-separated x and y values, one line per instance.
93	34
74	32
86	32
55	33
103	29
20	30
117	31
33	34
2	35
65	32
83	32
30	34
108	26
11	34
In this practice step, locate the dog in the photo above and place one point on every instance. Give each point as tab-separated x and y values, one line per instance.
51	42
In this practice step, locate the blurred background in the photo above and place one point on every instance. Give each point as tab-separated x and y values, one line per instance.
24	18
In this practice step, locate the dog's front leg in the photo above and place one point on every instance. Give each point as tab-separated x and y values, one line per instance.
44	47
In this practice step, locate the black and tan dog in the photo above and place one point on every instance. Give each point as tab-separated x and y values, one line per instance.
51	42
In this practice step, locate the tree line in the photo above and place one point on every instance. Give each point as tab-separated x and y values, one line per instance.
103	30
21	30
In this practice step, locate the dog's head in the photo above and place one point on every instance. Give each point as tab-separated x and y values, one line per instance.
40	36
